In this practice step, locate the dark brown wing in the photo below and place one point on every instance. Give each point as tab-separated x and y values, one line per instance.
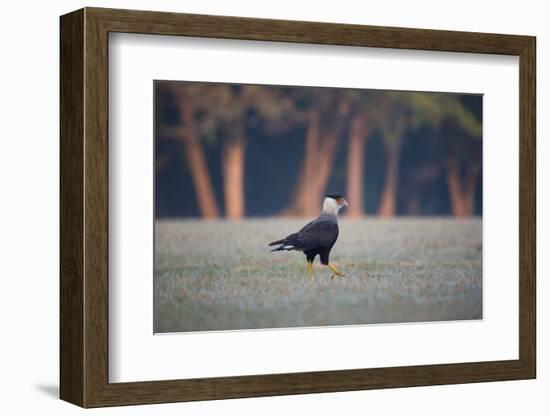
318	233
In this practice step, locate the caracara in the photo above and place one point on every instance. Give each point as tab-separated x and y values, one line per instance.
318	236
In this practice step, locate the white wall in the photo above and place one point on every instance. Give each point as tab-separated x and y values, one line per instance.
29	209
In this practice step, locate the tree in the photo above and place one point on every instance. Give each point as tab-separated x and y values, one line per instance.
392	119
187	133
325	114
389	113
458	130
364	114
462	163
408	110
355	164
226	110
222	112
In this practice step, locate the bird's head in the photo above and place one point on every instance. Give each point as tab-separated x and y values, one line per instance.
334	203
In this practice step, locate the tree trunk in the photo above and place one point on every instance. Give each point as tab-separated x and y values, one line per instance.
388	198
233	177
470	192
317	166
325	163
462	196
306	192
355	167
304	199
197	164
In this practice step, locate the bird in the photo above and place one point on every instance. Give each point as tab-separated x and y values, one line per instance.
317	237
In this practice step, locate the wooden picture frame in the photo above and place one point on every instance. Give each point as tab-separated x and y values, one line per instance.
84	207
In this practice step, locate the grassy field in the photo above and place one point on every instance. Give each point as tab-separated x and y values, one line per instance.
218	275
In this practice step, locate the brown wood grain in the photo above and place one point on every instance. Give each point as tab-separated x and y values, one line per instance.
527	207
71	208
84	207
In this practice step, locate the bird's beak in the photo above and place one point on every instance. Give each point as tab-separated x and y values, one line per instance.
345	203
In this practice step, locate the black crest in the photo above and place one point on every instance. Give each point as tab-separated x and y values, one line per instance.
334	196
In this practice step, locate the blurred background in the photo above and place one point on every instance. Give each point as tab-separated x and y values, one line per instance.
236	150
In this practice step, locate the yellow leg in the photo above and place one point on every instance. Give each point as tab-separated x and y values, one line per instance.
335	271
309	270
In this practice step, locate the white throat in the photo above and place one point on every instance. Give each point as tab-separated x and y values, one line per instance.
330	206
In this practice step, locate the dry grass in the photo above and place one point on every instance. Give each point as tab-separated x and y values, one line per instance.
217	275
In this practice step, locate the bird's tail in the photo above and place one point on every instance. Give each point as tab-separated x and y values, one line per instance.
283	244
276	243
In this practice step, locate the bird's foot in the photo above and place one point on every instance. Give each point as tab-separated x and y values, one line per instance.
310	270
335	271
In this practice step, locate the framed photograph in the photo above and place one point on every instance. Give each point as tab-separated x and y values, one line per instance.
255	207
